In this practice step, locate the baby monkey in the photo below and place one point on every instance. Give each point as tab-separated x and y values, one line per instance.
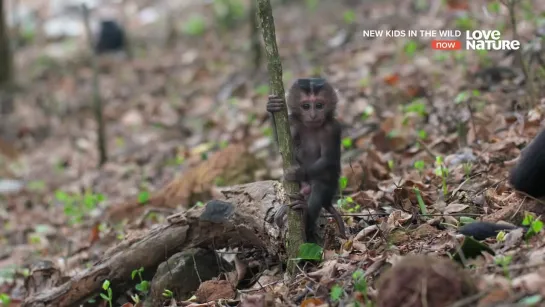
317	148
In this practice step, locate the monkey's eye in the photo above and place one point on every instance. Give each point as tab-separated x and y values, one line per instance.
319	106
306	106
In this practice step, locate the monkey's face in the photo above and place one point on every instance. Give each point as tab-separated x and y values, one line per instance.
313	111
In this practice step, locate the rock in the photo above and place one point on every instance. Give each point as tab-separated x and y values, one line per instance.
184	272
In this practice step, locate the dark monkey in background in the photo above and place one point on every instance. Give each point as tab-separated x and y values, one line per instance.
527	176
317	149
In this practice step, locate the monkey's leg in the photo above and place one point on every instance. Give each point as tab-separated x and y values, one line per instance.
338	219
321	195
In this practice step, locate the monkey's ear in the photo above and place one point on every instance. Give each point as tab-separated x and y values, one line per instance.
311	85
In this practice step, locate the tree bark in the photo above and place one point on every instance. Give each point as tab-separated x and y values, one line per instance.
6	61
295	229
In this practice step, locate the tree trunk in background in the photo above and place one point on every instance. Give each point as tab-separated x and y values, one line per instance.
5	50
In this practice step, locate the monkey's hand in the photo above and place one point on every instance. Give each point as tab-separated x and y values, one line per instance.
295	173
275	104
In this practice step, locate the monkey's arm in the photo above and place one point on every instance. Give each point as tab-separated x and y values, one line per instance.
484	230
528	175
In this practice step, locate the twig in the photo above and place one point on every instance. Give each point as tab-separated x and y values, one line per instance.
97	101
285	144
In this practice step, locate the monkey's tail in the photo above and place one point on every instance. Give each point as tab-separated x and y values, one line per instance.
484	230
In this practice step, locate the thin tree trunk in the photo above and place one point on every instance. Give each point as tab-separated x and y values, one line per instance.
6	61
295	235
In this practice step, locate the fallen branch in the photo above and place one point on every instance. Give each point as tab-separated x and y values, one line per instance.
243	217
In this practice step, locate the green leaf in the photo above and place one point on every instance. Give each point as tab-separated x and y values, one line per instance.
195	25
143	286
466	220
143	197
532	300
263	89
349	16
61	196
357	274
347	142
310	251
312	4
461	97
422	134
133	273
494	7
343	182
411	47
104	296
336	292
419	165
420	200
106	285
5	299
537	226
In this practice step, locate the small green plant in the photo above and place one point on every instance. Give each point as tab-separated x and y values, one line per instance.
195	25
422	134
143	285
349	16
176	160
410	48
267	131
494	7
442	171
346	201
391	165
465	23
347	143
143	197
262	89
467	168
500	237
219	181
310	251
343	183
311	4
504	262
484	57
441	56
419	165
534	225
336	293
228	12
417	106
199	204
37	186
5	299
135	298
420	201
167	293
109	295
78	206
360	285
233	101
369	110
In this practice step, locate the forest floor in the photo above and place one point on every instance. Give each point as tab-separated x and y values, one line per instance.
189	114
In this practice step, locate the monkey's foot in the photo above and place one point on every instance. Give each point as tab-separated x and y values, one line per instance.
298	205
